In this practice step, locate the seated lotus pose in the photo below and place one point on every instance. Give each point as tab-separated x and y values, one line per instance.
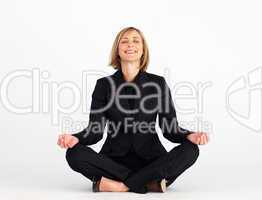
132	159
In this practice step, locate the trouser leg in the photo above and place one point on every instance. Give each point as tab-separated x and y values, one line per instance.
170	166
177	166
92	165
135	163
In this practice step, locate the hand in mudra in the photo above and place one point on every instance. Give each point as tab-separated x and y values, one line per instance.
199	138
67	141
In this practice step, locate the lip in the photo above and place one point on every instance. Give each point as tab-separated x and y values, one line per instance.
130	51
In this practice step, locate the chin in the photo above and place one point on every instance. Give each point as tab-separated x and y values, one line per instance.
130	59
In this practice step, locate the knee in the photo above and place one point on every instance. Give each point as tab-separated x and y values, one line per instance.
72	158
191	151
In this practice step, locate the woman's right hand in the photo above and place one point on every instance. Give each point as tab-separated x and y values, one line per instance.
67	141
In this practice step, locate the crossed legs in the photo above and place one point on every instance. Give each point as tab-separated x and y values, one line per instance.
93	165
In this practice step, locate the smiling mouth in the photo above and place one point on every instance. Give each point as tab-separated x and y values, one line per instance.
130	52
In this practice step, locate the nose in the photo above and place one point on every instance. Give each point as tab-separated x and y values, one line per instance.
130	44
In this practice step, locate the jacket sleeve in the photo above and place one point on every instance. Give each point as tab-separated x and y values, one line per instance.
97	117
167	118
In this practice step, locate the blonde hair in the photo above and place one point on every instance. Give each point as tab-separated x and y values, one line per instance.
115	58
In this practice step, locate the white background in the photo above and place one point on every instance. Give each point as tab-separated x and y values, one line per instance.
195	41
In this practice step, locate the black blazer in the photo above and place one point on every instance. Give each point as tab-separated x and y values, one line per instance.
120	137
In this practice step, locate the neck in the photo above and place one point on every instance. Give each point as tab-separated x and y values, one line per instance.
130	70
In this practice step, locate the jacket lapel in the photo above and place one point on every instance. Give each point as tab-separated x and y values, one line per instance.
139	80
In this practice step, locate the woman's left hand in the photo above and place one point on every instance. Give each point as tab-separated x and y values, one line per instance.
199	138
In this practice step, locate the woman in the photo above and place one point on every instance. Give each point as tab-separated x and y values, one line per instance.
132	157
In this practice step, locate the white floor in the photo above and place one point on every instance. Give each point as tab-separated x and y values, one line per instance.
218	182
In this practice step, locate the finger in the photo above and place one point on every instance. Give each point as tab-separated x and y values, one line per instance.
198	140
202	139
59	140
63	142
66	141
201	136
70	143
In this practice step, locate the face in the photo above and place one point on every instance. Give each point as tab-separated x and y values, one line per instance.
130	46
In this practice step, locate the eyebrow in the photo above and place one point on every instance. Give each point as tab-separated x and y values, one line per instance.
133	37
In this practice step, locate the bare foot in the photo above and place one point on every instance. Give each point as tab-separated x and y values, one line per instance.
124	187
109	185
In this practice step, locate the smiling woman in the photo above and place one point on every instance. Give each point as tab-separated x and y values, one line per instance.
134	159
130	46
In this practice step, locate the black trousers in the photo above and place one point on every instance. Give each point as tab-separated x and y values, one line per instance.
134	171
